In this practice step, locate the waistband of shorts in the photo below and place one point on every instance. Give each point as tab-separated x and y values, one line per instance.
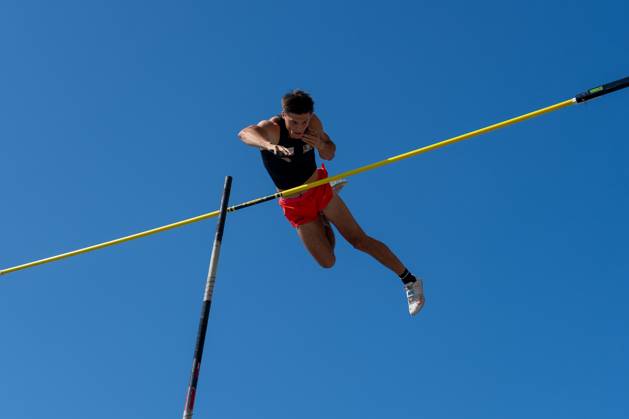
300	194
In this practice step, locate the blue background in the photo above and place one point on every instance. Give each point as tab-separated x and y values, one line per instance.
120	116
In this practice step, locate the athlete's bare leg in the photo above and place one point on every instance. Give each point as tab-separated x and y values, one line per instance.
310	235
318	242
329	233
338	213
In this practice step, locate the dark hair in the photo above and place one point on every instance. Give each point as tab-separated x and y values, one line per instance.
298	102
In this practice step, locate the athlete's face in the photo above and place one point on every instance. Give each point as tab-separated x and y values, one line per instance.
297	124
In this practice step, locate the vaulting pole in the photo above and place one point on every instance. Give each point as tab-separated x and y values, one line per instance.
207	302
580	98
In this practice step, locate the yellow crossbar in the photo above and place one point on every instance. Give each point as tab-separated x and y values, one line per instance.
299	189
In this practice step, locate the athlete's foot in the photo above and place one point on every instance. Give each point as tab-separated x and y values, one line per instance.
415	296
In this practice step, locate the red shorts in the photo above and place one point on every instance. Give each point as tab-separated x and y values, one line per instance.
306	207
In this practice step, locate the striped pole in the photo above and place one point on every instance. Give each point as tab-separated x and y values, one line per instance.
207	302
580	98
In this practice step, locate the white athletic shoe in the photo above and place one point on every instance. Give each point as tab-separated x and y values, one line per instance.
339	184
415	296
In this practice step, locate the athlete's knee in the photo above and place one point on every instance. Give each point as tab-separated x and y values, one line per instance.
327	261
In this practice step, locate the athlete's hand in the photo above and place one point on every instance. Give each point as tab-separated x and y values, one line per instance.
278	150
312	138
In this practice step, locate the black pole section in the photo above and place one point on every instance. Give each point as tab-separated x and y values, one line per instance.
207	302
602	90
254	202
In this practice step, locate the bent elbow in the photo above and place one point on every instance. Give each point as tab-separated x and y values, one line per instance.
329	154
243	133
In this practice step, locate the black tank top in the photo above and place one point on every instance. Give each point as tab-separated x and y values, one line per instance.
293	170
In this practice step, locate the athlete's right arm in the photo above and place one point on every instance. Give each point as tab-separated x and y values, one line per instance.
265	136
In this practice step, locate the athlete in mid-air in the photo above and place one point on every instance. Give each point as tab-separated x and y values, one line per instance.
287	143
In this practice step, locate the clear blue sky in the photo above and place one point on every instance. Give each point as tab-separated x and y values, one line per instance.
120	116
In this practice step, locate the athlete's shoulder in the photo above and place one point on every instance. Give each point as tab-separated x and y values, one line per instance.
316	121
271	129
316	126
273	121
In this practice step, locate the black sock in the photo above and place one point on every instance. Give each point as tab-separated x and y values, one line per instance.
407	277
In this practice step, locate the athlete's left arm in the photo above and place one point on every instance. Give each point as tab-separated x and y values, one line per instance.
317	137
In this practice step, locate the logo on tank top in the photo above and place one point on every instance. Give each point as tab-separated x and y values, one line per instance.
291	151
306	148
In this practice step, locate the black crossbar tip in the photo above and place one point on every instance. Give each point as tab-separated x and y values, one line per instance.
602	90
